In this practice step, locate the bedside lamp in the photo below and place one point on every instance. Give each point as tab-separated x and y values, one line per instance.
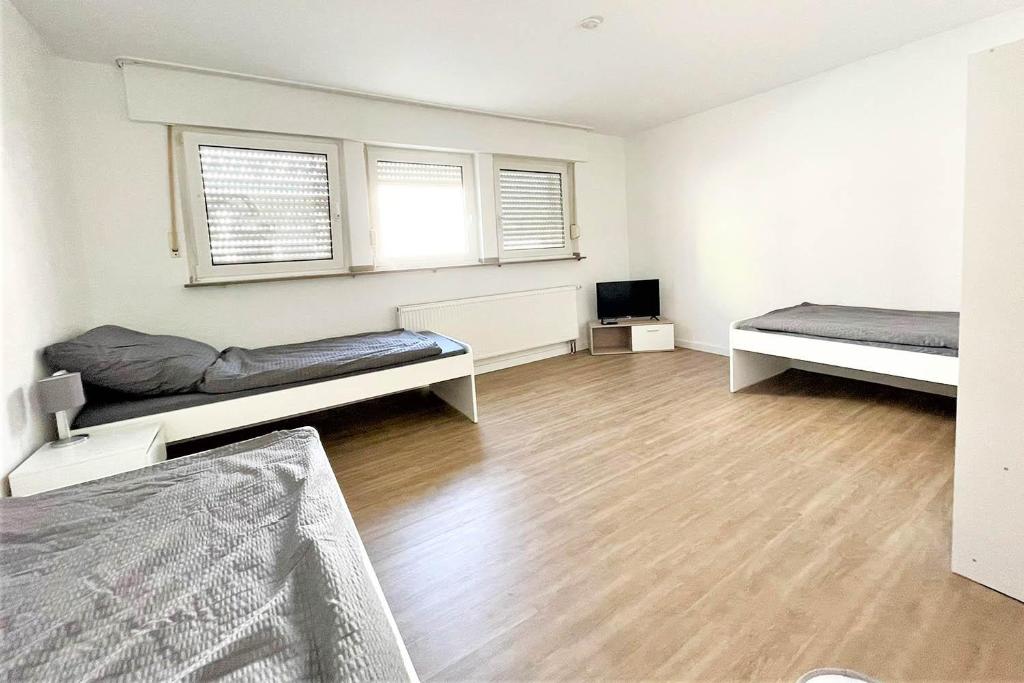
58	394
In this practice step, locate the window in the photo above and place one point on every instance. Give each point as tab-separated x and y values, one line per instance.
261	206
533	204
423	208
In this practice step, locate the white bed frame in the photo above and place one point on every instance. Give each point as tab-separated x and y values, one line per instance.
452	379
755	356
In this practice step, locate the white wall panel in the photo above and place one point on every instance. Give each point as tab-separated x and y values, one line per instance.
43	287
988	498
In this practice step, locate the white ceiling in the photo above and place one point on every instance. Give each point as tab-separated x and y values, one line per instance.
652	61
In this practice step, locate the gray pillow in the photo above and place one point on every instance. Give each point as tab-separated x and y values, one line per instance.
133	362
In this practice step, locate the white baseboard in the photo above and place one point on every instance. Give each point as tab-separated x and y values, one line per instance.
509	360
701	346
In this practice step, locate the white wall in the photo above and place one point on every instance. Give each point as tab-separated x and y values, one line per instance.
988	501
846	188
40	288
119	189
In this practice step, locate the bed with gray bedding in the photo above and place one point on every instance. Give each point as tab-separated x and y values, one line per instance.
247	372
240	369
240	563
934	332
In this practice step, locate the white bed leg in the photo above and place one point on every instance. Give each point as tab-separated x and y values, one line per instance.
747	368
459	393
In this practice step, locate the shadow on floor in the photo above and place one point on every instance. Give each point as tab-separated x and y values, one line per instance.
389	413
795	383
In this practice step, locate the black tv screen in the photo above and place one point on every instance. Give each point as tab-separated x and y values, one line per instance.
629	298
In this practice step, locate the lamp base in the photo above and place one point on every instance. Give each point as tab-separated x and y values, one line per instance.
70	441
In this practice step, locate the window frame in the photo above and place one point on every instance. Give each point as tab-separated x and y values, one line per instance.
197	231
377	153
563	168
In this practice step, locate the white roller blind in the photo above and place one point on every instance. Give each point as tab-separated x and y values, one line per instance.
414	173
266	206
531	210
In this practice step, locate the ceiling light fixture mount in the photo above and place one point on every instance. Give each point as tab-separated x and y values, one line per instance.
590	23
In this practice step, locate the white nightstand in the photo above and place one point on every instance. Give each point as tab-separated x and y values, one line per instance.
107	452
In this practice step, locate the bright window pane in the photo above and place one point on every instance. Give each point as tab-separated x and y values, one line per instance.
266	206
421	212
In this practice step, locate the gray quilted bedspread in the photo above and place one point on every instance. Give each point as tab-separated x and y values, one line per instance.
927	331
239	369
239	563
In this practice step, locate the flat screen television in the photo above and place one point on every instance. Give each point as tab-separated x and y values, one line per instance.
628	299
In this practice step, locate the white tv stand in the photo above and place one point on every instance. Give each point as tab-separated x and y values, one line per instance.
632	335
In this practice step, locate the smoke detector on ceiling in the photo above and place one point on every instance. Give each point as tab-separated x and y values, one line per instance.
590	23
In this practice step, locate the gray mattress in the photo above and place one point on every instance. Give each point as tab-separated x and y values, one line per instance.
240	563
934	332
104	406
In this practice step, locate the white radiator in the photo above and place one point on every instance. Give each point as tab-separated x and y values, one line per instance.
501	324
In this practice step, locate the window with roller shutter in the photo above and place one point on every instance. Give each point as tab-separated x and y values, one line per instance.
533	208
262	206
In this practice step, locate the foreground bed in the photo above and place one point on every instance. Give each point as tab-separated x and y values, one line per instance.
891	345
242	562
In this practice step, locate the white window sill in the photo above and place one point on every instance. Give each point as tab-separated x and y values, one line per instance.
220	282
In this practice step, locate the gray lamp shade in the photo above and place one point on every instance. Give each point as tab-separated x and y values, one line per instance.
61	392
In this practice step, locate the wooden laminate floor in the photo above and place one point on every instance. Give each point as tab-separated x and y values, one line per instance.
626	517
